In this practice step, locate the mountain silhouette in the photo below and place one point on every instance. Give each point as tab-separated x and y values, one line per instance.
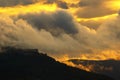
107	67
29	64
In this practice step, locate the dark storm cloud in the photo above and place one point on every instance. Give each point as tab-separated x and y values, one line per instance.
7	3
60	3
53	22
93	8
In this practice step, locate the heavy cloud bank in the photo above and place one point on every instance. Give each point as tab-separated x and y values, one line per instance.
58	33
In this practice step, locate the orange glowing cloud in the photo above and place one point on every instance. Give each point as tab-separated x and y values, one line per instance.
104	55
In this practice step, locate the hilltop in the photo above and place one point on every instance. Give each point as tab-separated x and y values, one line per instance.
29	64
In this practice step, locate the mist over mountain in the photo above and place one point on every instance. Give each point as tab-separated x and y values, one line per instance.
29	64
107	67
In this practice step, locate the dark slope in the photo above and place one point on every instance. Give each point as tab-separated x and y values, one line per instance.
107	67
19	64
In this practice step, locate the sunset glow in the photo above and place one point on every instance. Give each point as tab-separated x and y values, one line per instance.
33	8
113	4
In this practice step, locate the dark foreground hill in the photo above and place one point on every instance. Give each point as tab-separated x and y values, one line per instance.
19	64
107	67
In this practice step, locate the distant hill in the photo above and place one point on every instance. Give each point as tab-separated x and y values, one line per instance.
29	64
107	67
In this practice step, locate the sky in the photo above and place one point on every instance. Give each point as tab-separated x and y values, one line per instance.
87	29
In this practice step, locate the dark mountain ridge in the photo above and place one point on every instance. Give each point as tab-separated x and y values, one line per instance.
107	67
29	64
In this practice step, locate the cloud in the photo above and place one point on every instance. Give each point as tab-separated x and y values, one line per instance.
92	24
8	3
58	33
93	8
63	5
21	33
50	1
11	3
60	3
110	32
55	22
90	3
